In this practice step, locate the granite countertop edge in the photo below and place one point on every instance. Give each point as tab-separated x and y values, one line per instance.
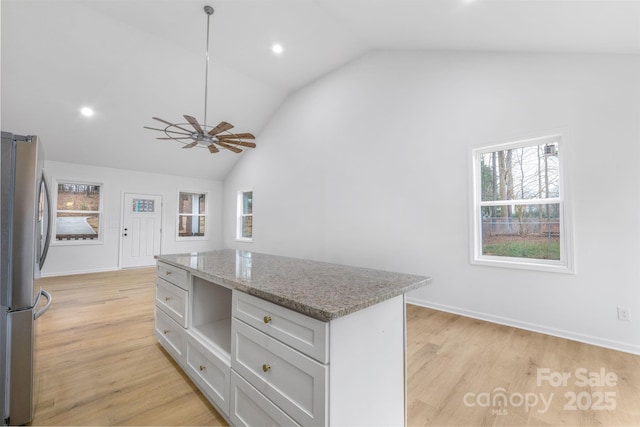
327	315
312	310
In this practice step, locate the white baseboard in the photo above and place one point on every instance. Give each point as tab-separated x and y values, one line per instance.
76	272
561	333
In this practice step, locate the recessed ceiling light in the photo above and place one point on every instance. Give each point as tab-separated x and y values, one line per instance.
277	49
86	111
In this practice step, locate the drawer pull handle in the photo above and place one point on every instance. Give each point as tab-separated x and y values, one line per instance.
203	368
166	331
167	298
167	273
266	368
267	319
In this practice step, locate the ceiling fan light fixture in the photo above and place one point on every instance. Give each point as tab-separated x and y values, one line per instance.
193	134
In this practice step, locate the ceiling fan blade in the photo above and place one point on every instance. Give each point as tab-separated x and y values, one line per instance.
229	147
167	130
191	145
212	148
241	143
177	138
237	136
222	126
194	123
171	124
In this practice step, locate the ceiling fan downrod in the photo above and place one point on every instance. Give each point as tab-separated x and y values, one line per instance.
209	11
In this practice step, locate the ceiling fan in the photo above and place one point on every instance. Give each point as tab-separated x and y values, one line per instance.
202	135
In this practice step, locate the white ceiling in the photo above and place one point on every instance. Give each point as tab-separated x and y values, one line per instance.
134	59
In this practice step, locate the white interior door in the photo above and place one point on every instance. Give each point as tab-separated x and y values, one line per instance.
141	229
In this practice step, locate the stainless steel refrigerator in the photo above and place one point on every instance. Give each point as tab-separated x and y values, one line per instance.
25	217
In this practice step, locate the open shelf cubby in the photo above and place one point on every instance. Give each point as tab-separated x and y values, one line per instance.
211	313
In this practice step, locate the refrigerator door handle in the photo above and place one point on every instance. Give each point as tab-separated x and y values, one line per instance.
47	240
40	312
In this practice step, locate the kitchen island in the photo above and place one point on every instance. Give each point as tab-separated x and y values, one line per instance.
272	340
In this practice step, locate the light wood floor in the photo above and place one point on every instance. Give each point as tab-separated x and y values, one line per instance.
98	363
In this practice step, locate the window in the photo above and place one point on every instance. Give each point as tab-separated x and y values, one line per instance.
192	215
519	209
78	212
245	216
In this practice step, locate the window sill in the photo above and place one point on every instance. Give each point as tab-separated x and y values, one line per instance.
191	238
244	240
79	242
520	264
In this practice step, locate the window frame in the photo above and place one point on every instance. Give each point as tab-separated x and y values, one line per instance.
54	208
240	215
566	262
179	214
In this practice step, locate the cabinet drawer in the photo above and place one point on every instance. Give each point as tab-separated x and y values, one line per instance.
250	408
171	335
210	372
172	300
304	333
172	274
294	382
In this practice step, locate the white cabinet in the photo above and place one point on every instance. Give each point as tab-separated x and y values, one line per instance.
209	340
171	310
349	371
193	323
283	355
210	371
250	408
303	333
171	335
263	364
175	275
172	300
291	380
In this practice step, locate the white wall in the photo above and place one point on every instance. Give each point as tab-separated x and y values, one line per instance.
369	167
65	259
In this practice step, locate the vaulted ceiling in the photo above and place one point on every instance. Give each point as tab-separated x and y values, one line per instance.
133	59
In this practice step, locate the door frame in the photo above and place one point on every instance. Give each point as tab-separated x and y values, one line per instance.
121	225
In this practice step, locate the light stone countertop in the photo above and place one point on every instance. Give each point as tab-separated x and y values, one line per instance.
321	290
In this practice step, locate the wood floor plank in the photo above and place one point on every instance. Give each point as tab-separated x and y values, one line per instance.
99	363
455	362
